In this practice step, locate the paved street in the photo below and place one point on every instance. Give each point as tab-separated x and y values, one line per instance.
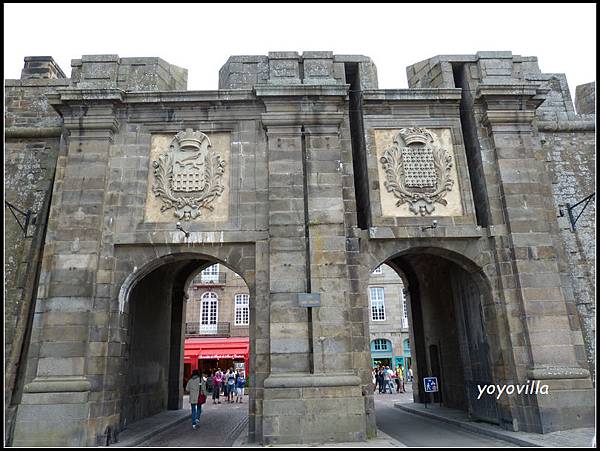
219	426
413	430
226	425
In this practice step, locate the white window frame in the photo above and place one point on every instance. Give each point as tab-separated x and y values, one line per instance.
377	303
210	274
242	306
378	270
211	301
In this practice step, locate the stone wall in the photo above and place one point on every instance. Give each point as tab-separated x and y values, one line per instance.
32	144
569	144
515	195
128	74
296	230
567	149
285	68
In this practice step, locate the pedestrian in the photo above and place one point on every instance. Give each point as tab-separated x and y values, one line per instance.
240	383
410	373
230	381
194	387
380	379
217	379
389	380
392	379
386	379
397	378
400	379
209	381
225	386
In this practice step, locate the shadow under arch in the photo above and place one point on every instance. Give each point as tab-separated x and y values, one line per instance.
453	325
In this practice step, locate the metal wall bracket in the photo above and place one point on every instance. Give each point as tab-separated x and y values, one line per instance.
27	216
570	208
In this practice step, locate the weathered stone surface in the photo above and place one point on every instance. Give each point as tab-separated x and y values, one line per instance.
304	214
585	98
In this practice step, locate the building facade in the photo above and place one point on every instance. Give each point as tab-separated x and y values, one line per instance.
388	320
217	316
218	304
302	176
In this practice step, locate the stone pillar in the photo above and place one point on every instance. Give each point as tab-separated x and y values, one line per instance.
41	67
55	408
537	313
289	342
310	343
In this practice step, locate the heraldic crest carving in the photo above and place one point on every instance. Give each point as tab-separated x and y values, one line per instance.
417	170
188	176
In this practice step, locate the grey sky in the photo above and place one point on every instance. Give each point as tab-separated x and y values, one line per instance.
200	38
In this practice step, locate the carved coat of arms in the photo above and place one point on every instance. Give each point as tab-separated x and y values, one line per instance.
188	176
417	170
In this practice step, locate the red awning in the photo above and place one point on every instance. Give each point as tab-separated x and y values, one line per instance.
223	348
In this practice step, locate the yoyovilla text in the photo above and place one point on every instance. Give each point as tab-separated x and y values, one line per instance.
530	388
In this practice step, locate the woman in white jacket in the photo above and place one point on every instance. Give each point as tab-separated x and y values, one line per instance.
195	386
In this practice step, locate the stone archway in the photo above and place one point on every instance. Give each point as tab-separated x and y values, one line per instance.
455	331
152	302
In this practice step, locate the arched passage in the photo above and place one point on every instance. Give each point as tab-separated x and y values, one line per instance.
153	299
448	295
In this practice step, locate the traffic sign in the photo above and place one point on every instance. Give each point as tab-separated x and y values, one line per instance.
431	384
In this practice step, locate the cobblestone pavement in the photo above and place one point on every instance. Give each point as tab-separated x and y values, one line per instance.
413	430
220	424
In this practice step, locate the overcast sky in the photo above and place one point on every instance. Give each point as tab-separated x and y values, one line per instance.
200	38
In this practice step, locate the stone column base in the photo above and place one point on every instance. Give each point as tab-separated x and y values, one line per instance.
53	412
569	402
306	408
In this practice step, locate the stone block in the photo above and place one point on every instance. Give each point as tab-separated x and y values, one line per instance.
53	366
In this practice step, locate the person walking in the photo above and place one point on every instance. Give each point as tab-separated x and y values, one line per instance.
400	383
380	379
239	387
390	379
397	378
386	380
194	387
209	381
410	373
230	383
225	386
217	379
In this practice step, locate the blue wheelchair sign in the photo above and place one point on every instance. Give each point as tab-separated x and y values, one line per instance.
431	384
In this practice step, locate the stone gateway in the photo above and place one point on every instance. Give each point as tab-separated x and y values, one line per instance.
302	176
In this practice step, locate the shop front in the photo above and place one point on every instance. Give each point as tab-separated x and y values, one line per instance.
208	354
381	353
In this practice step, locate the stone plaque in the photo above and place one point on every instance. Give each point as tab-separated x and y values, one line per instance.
188	178
417	172
309	299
